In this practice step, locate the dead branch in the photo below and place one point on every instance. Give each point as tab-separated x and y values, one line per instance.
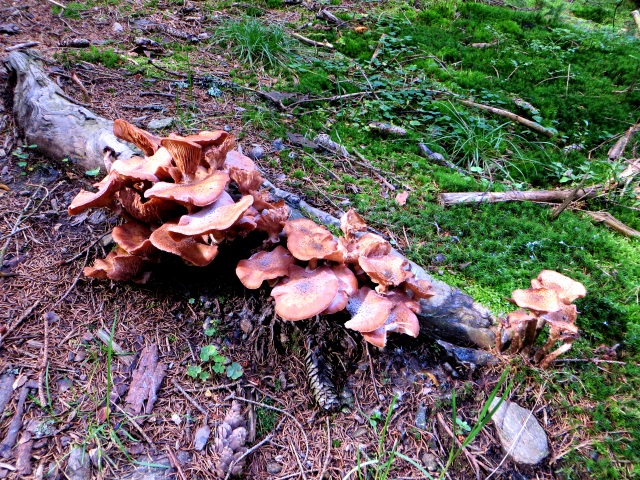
330	17
46	318
313	43
617	150
21	46
328	99
16	422
544	196
190	399
611	221
511	116
556	211
27	313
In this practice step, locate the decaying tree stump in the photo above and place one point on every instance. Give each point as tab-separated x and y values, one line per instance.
61	129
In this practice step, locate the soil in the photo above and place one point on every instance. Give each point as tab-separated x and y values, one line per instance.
42	271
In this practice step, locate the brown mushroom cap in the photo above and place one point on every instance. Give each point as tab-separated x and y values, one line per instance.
145	141
119	266
246	180
378	337
371	314
420	288
189	249
220	215
307	240
537	299
401	296
104	197
154	210
235	159
207	138
216	155
151	169
305	293
519	316
403	320
261	199
351	222
264	266
185	154
386	270
568	289
199	193
367	245
133	238
348	280
564	319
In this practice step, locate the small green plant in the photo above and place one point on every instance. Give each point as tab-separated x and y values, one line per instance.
214	362
254	42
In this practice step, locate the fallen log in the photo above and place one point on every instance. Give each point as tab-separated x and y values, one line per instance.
42	112
544	196
612	222
59	127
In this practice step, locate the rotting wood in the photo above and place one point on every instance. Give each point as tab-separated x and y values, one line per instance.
545	196
6	390
510	115
16	422
21	46
313	43
330	17
23	454
617	150
611	221
58	127
146	381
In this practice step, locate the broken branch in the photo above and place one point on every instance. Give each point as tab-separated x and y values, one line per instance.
611	221
543	196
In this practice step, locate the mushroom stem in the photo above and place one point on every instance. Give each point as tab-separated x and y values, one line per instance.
313	264
530	335
550	358
554	335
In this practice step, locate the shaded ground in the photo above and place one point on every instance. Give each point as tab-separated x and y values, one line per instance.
176	308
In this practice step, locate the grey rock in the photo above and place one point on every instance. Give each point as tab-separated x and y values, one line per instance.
421	416
117	28
5	170
97	217
256	153
78	465
161	469
274	468
429	460
160	123
519	432
201	437
277	144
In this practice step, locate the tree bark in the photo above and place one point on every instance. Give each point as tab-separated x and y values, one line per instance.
546	196
49	119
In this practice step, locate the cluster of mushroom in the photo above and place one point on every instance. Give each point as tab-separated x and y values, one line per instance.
184	197
549	301
318	274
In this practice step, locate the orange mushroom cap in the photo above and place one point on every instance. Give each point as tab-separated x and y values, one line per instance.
351	222
185	154
519	316
133	238
564	319
154	210
386	270
207	138
215	155
152	168
367	245
119	266
347	286
264	266
190	249
261	199
568	289
401	296
199	193
235	159
372	312
145	141
246	180
403	320
305	293
220	215
307	240
420	288
104	197
537	299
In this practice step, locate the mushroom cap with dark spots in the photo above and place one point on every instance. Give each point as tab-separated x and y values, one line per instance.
351	223
537	299
568	289
386	270
305	293
420	288
263	266
307	240
372	312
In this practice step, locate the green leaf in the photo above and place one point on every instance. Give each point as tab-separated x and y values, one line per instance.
234	371
93	173
210	332
207	352
194	370
22	164
219	358
218	367
205	376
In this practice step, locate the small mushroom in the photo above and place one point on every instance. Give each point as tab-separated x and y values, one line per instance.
420	288
104	197
246	180
401	320
119	266
537	299
193	250
305	293
401	296
220	215
371	314
145	141
386	270
366	245
523	326
215	155
151	169
306	240
199	193
264	266
133	238
568	289
351	223
347	286
185	154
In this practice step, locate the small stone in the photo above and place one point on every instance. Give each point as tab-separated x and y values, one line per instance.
520	433
64	384
277	144
160	123
97	217
256	153
246	326
274	468
86	338
429	460
70	357
421	417
5	170
439	259
80	356
227	128
117	28
201	437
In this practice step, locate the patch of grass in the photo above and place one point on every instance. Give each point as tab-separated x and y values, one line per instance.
104	56
256	43
265	419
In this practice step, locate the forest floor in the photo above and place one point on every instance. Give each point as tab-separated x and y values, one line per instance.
397	62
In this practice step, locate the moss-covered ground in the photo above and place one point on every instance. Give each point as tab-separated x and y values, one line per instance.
572	68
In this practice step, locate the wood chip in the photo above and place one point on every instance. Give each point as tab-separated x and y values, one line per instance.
145	383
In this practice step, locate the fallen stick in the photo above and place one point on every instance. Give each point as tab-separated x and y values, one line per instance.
16	422
636	18
330	17
617	150
545	196
313	43
511	116
328	99
20	46
611	221
27	313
